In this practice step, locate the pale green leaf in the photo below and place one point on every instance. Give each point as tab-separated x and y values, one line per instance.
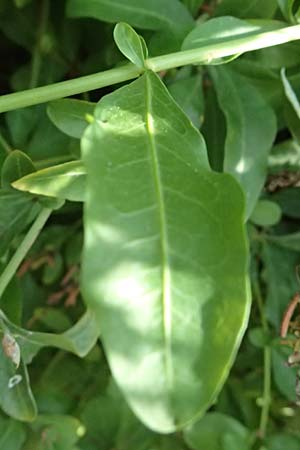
290	9
165	258
154	15
251	130
79	339
70	116
214	431
64	181
266	213
130	44
218	30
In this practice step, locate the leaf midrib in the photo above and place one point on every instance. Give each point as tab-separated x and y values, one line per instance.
165	272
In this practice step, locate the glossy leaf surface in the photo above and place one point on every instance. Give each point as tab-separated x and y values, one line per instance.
70	115
130	44
164	260
251	130
64	181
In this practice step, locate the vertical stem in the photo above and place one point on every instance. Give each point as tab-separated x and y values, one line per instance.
23	249
264	417
36	57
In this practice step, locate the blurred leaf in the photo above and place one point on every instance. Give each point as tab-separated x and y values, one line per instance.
289	241
266	213
130	44
289	201
290	94
193	5
283	441
150	251
16	398
154	15
79	339
214	128
284	156
55	432
187	92
53	270
215	431
284	376
11	301
251	130
12	434
290	9
280	278
54	319
16	165
246	9
16	212
258	337
65	181
70	115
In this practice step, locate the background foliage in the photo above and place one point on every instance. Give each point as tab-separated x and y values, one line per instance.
249	114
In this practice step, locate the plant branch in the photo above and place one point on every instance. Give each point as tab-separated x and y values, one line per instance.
202	55
264	417
23	249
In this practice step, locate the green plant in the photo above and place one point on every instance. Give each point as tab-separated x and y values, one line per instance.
159	226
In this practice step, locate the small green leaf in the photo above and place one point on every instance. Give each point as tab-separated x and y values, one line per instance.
214	431
279	441
290	9
284	376
266	213
70	115
64	181
251	130
164	264
289	241
16	165
130	44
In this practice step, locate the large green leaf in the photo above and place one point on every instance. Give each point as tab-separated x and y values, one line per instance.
154	15
64	181
165	259
251	129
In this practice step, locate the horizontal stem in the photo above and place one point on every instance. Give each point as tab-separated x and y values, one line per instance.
202	55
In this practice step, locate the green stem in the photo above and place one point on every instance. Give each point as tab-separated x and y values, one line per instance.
265	411
37	57
202	55
23	249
